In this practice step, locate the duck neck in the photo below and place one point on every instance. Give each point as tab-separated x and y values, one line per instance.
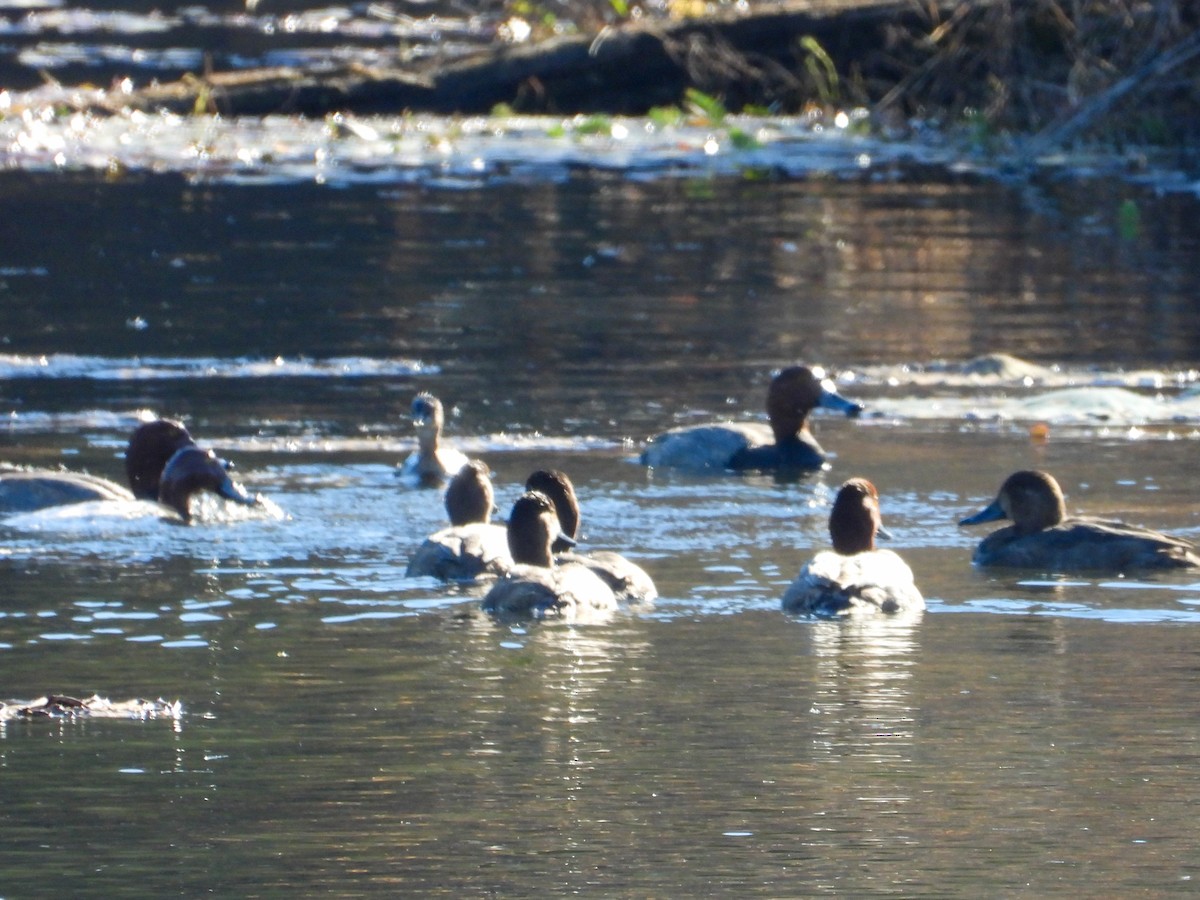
530	550
428	442
787	429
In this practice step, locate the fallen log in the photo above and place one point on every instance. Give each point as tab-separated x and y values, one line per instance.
744	57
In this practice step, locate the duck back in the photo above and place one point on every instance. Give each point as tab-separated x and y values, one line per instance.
835	585
29	491
704	446
463	553
1085	544
629	582
568	591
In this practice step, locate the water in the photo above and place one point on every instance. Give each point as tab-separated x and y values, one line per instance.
347	730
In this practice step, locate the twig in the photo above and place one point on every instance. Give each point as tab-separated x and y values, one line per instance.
1058	133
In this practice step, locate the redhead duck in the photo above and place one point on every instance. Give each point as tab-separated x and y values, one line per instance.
162	463
430	464
629	582
150	447
536	585
786	443
854	576
471	547
192	469
1043	537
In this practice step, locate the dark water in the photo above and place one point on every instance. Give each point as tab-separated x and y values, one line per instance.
346	730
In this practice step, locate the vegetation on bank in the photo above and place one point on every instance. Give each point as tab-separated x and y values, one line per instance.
1113	73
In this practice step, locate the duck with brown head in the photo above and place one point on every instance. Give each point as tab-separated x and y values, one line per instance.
629	582
191	470
1044	537
162	463
536	585
431	464
472	547
151	447
854	577
786	443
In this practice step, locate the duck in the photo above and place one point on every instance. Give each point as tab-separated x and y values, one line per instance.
472	547
536	585
628	581
1042	536
786	443
854	576
431	464
162	463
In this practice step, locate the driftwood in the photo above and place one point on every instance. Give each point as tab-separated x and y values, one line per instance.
1159	65
750	57
58	706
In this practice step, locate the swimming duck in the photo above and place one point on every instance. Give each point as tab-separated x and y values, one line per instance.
1043	537
192	469
629	582
430	464
150	448
854	576
536	585
786	443
471	547
156	464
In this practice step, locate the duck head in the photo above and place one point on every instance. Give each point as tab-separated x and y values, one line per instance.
532	529
428	418
1032	499
192	469
855	520
558	487
150	448
469	496
797	391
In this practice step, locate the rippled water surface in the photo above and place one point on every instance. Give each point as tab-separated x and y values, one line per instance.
344	729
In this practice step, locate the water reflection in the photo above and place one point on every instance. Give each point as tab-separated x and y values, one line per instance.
864	727
797	270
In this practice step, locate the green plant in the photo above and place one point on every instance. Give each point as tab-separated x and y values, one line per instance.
665	116
822	73
706	105
1129	220
743	140
594	125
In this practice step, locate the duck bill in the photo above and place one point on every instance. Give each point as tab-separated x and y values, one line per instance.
884	533
231	490
993	512
831	399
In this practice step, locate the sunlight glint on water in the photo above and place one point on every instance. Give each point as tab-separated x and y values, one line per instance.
347	729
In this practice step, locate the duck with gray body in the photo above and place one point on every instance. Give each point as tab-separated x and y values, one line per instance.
628	581
431	464
786	443
854	577
1044	537
472	547
536	586
162	463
